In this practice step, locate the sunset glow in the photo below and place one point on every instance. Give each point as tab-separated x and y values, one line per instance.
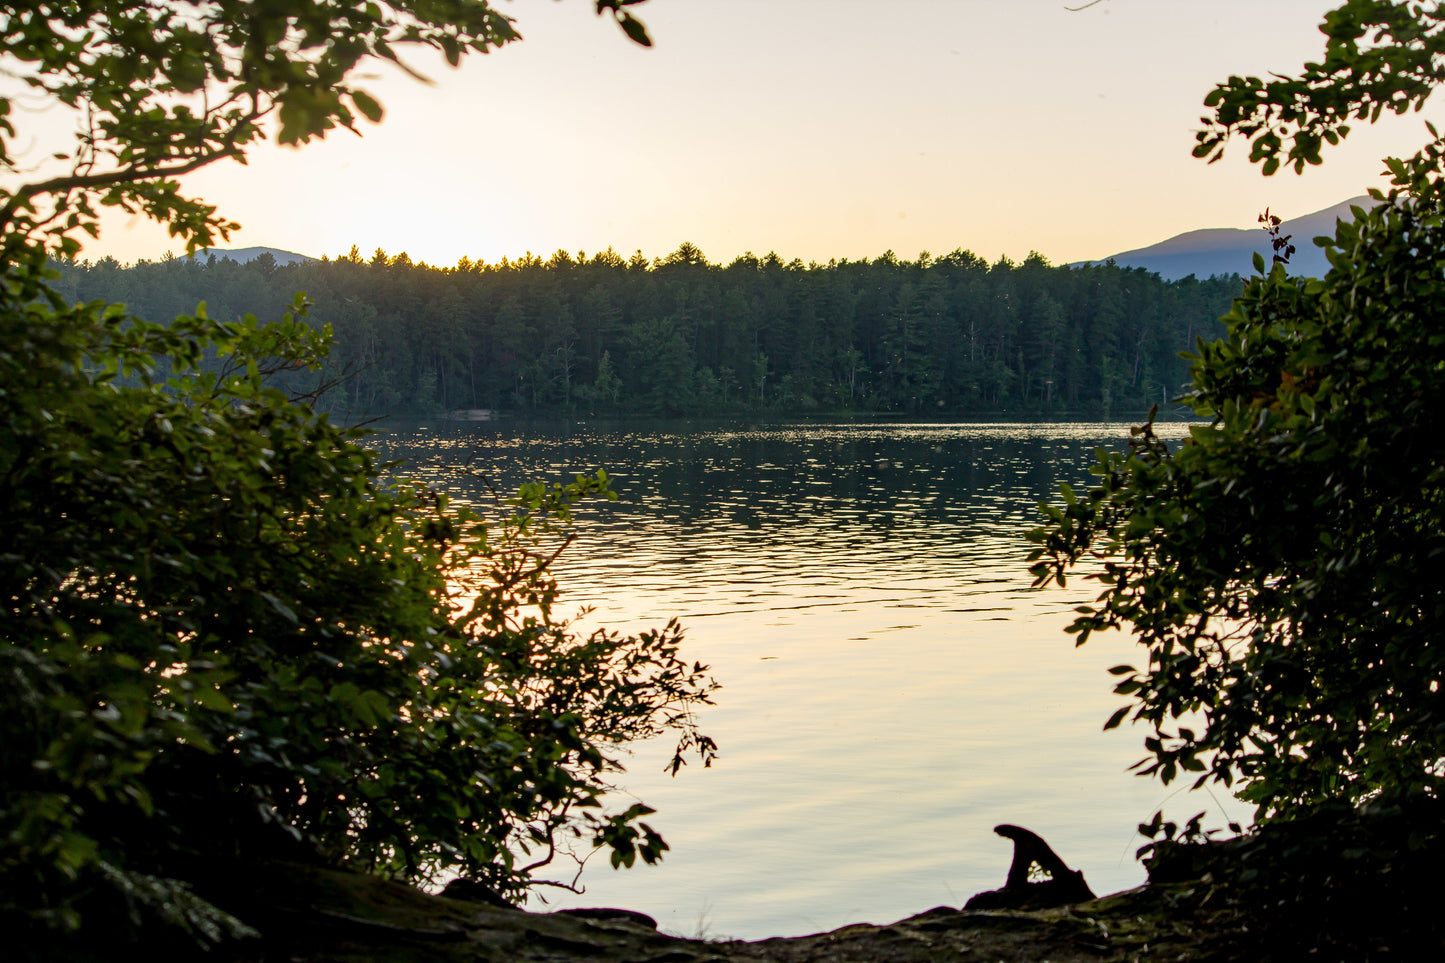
818	130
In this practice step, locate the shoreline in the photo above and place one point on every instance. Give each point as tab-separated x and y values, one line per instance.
314	915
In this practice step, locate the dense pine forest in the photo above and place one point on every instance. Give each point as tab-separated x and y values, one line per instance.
681	336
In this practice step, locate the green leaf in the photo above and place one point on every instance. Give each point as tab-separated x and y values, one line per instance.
213	699
367	105
635	31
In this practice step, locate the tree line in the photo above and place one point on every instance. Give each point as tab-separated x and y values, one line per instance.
679	335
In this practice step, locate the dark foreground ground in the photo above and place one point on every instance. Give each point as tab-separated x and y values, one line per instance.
312	915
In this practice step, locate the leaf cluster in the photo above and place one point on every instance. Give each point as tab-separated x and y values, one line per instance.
1342	882
228	637
161	88
1285	566
1381	56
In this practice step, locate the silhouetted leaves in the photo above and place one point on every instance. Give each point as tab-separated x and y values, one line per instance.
229	638
1284	566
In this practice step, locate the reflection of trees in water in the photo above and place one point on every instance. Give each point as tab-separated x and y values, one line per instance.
808	482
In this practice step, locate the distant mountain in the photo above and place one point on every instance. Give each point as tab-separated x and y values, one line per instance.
245	254
1227	250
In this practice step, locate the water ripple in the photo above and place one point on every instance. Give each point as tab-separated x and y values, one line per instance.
893	685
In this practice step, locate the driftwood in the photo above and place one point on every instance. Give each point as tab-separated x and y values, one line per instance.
1063	886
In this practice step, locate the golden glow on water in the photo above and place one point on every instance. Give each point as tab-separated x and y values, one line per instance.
893	686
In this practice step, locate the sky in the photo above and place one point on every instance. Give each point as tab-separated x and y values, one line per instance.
817	129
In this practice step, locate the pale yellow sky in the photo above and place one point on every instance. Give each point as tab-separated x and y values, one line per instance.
815	128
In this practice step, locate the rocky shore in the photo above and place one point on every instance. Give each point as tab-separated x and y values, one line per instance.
311	915
1327	888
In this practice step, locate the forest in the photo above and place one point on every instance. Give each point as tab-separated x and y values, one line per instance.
678	335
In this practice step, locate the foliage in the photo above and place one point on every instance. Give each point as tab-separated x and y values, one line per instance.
1283	567
1341	882
161	88
936	335
1380	55
229	635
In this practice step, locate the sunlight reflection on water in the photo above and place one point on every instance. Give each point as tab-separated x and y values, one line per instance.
893	687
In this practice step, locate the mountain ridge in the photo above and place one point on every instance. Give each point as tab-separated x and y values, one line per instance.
1212	251
244	255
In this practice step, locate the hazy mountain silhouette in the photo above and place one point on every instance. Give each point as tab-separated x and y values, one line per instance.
1227	250
244	254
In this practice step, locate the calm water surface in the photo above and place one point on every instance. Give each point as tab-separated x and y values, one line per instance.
893	687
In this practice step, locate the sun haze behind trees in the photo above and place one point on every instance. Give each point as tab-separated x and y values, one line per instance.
228	636
1285	567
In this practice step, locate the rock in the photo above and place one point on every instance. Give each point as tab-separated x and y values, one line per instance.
311	914
472	891
615	915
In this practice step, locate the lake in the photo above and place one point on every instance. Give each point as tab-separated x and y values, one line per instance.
892	685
